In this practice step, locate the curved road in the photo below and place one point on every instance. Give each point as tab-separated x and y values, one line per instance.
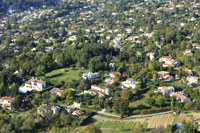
133	116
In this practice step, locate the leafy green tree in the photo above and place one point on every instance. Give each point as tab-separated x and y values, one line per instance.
68	94
14	88
149	101
65	118
60	60
29	123
160	101
96	64
189	127
126	94
40	70
85	84
172	103
121	106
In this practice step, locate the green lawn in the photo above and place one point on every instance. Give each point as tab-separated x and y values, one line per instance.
57	76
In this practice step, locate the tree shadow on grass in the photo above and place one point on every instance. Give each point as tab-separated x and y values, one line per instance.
55	75
89	121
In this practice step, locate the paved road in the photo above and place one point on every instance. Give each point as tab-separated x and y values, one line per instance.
107	114
134	116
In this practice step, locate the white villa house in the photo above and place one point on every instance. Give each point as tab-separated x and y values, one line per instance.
90	75
33	84
129	83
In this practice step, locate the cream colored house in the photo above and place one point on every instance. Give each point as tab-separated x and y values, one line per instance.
7	102
33	84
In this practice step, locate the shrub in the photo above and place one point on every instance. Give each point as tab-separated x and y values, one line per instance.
63	70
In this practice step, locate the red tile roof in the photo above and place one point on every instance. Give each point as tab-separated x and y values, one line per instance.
7	98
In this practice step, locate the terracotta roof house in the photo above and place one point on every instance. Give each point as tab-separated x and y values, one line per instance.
111	77
166	90
7	102
49	48
77	113
188	52
188	71
109	80
192	80
165	76
169	61
108	36
99	90
180	96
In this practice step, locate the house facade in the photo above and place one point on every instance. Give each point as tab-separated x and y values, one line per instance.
188	52
99	90
169	61
192	80
114	74
164	76
90	75
109	80
188	71
7	102
77	113
166	90
33	84
129	83
55	109
56	91
180	96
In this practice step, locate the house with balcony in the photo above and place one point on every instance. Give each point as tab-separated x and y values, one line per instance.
7	102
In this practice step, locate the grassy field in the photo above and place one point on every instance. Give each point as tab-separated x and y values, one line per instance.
116	124
140	101
57	76
115	131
